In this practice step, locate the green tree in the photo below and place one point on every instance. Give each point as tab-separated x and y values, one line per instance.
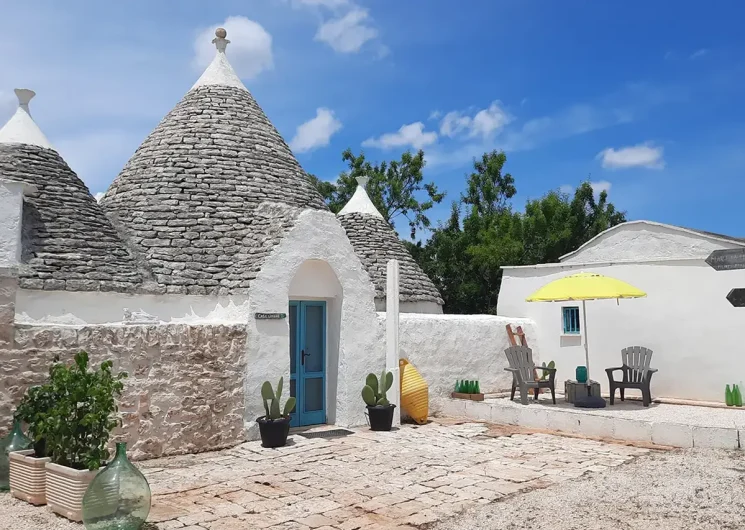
394	187
488	190
465	254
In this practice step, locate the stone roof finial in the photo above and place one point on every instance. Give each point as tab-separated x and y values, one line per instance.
21	128
362	182
24	96
220	41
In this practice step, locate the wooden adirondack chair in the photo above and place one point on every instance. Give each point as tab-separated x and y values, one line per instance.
520	359
636	373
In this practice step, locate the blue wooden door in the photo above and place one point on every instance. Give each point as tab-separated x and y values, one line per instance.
308	361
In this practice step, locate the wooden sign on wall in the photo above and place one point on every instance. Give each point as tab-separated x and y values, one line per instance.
270	316
736	297
727	260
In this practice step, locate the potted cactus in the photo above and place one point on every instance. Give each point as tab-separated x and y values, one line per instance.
379	410
274	426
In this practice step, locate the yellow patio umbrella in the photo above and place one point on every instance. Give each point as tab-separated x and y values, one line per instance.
585	286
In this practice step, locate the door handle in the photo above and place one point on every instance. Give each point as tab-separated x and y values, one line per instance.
303	355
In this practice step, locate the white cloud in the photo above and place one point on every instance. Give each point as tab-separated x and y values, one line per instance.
698	54
316	132
642	155
566	188
249	51
484	123
454	123
99	195
412	135
347	34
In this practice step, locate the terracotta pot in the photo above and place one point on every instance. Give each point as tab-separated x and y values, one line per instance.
28	477
65	490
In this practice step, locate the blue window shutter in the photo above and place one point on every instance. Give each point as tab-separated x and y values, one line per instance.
570	316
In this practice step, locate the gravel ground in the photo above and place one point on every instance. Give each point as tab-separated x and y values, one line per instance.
676	490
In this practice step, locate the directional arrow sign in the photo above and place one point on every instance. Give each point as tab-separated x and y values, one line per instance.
727	260
736	297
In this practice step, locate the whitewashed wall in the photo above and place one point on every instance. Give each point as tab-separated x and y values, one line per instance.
445	348
315	260
698	338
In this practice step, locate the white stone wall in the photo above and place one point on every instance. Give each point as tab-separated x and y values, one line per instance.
643	240
444	348
695	333
11	215
352	321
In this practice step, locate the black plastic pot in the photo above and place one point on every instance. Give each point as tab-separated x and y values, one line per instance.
273	433
381	417
40	448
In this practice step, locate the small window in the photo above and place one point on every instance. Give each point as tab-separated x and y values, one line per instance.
570	317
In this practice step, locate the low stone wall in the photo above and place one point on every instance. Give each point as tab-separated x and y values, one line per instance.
184	393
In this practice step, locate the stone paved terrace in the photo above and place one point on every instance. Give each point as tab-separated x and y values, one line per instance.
402	479
673	425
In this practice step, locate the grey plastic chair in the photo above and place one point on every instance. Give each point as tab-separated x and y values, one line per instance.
636	373
520	359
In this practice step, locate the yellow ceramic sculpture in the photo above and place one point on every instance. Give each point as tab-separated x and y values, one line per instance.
414	392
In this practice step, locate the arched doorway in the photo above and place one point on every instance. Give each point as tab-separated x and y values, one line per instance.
314	314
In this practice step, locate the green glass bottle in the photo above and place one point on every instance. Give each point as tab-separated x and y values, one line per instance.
14	441
737	397
119	496
728	396
477	390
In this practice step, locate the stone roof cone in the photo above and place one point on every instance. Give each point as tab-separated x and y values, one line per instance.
189	197
376	242
68	243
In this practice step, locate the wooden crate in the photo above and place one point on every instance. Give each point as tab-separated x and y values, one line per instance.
470	397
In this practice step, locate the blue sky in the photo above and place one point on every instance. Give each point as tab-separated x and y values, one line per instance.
643	98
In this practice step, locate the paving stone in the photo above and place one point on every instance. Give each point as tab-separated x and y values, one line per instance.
405	479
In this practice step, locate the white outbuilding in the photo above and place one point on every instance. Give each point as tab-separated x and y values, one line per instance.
697	336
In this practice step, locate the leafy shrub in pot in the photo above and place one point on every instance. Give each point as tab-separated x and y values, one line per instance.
274	426
379	410
77	429
27	468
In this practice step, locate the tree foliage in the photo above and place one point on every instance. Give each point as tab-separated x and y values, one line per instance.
394	187
464	255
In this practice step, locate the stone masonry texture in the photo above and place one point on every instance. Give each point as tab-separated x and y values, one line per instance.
188	199
68	243
375	242
184	393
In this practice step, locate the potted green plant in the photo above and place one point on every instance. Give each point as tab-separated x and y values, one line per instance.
28	467
379	410
77	429
274	426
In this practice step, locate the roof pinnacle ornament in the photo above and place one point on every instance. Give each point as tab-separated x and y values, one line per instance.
220	41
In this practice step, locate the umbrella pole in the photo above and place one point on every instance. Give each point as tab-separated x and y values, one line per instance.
587	354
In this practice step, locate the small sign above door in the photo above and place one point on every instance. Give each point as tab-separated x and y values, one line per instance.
270	316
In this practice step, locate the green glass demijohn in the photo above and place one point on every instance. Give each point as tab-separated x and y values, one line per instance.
118	498
14	441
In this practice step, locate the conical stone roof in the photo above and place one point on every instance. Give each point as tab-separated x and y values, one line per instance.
189	197
376	243
67	243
